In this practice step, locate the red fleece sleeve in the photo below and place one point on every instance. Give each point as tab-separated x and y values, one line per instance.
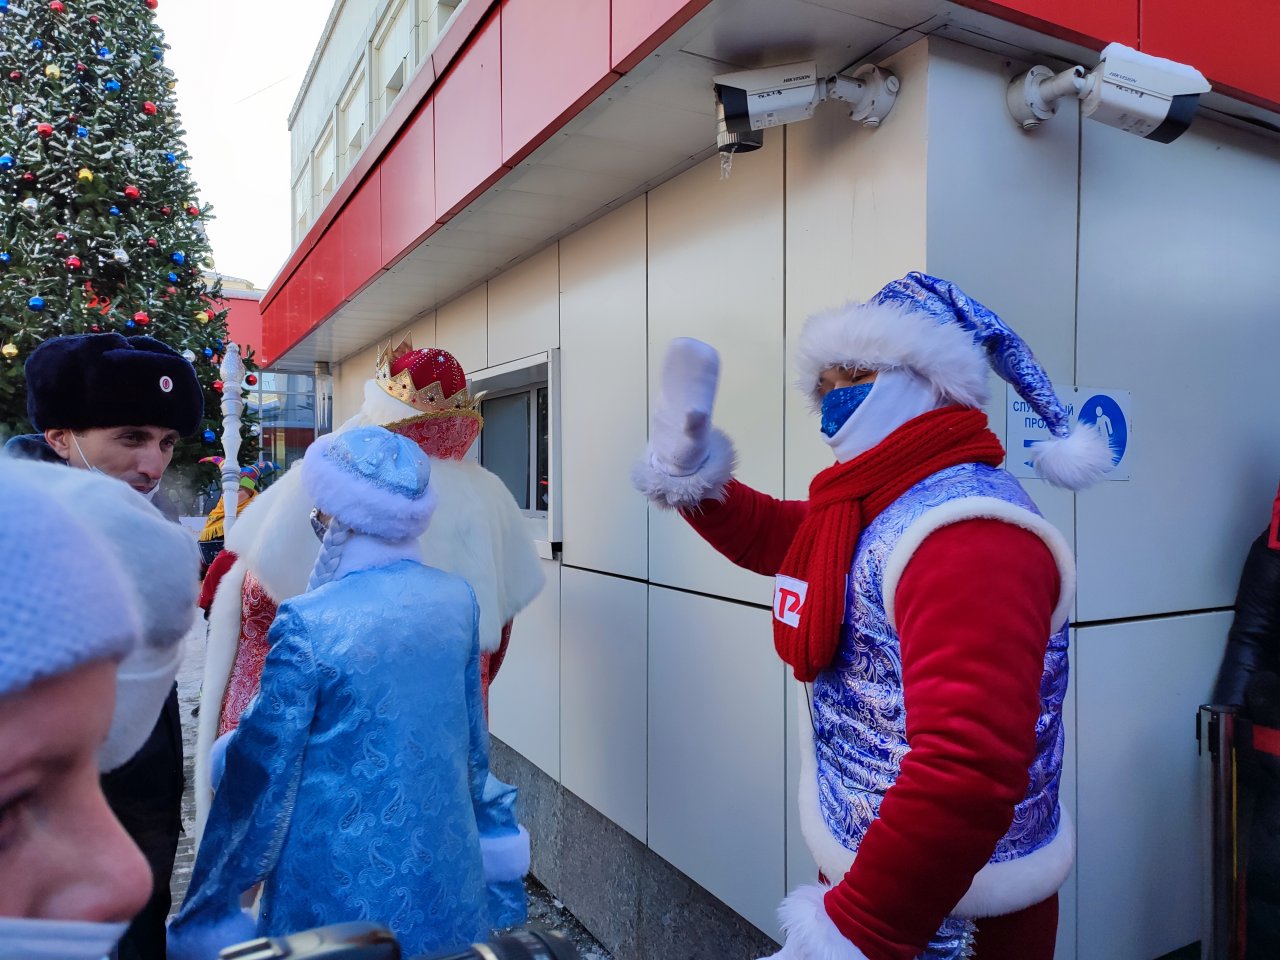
973	610
213	576
751	528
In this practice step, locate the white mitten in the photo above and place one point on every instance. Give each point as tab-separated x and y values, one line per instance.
678	440
687	460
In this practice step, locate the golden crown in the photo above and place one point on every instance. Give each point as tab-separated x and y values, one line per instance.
433	398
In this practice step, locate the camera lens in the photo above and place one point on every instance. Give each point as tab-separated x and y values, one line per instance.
520	945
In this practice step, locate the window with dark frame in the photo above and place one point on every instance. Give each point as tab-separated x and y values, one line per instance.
514	444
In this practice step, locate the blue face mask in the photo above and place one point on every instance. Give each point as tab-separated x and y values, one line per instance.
840	404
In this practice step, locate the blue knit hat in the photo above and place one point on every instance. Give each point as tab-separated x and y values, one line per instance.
933	328
66	603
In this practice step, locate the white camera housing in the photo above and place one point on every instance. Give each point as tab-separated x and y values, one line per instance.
749	101
1132	91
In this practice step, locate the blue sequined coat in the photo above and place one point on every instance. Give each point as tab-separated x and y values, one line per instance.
357	786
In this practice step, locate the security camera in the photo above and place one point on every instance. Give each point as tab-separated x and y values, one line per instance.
750	100
1135	92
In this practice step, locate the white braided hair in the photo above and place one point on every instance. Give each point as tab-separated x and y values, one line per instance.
335	538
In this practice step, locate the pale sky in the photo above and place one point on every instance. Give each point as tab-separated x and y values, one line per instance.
239	65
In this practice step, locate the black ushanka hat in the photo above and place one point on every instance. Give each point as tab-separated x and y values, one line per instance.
106	380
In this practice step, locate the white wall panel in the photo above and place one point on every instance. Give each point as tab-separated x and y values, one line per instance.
603	695
1002	219
1138	686
855	220
524	308
604	386
462	328
1177	267
422	331
524	701
716	750
715	273
349	380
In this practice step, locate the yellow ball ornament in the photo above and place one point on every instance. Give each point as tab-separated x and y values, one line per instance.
53	71
202	316
9	350
85	175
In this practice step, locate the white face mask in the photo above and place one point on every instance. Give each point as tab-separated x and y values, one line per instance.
23	939
85	460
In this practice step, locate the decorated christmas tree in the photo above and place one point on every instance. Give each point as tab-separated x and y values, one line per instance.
100	225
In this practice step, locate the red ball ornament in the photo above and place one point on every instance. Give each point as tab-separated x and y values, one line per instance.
15	75
251	380
94	328
58	6
151	4
166	210
149	108
73	263
45	130
217	385
81	68
28	177
141	318
60	236
132	192
193	210
95	20
152	242
171	290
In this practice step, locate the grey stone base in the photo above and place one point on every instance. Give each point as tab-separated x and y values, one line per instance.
634	902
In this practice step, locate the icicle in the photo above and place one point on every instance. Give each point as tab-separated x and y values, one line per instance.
726	165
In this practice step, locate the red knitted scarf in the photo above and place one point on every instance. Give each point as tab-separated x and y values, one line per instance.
809	597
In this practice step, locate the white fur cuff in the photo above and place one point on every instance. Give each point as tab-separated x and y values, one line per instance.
810	933
705	483
505	857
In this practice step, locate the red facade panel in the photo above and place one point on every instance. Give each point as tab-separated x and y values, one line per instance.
1231	42
362	235
1094	23
244	320
639	26
326	262
468	107
408	187
555	56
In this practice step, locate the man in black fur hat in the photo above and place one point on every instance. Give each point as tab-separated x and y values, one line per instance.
118	406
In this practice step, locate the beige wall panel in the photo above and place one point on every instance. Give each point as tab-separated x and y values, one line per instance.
855	220
603	392
1177	305
348	383
524	701
715	273
1002	219
524	308
603	695
461	328
422	330
717	770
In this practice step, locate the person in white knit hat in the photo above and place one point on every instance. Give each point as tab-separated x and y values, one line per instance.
923	600
357	783
70	877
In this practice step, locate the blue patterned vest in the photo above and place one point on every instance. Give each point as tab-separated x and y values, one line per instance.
858	711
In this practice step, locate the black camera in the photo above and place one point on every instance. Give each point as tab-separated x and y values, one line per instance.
368	941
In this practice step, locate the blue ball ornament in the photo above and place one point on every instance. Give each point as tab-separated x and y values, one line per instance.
208	352
7	161
104	52
210	436
178	257
82	131
6	257
4	6
114	211
219	345
130	324
37	44
173	278
157	52
171	157
36	304
112	85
